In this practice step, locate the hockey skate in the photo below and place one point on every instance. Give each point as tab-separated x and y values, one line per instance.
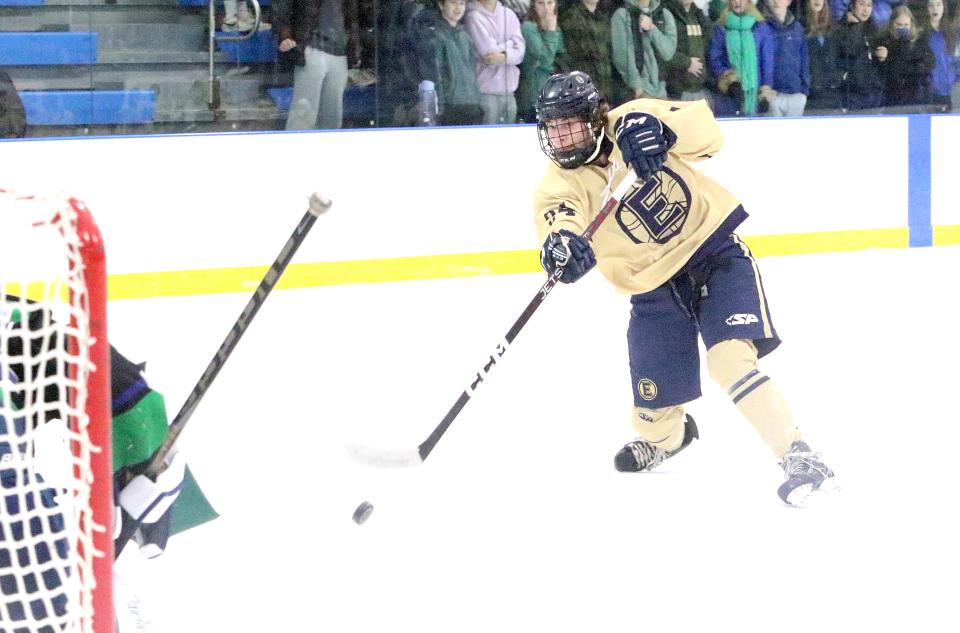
806	473
640	455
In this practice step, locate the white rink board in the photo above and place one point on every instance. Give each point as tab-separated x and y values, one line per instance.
945	179
208	201
815	174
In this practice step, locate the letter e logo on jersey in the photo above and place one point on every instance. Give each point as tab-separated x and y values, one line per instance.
741	319
647	389
656	209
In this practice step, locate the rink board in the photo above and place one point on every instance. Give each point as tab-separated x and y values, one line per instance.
190	214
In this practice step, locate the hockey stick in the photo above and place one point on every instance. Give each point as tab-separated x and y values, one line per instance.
317	206
416	456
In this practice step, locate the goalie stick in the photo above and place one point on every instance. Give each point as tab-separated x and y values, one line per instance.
416	456
318	205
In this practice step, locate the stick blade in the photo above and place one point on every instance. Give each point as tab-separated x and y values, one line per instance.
385	458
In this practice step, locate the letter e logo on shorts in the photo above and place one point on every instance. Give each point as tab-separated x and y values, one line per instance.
647	389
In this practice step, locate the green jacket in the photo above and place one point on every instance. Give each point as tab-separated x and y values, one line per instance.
658	44
446	57
587	38
693	40
540	60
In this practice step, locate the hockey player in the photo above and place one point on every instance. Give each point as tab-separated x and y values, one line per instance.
168	504
139	426
671	246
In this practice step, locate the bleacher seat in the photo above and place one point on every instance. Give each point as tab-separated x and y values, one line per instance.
359	102
261	48
47	48
89	107
20	3
281	97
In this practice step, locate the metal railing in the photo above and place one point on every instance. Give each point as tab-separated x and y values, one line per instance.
213	82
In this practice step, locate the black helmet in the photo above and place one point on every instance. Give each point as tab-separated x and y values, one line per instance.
568	95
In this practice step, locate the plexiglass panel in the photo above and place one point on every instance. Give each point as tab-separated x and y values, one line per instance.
82	67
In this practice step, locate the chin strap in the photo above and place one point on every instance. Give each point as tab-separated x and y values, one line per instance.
604	147
598	144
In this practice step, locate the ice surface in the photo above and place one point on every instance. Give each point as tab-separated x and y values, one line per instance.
517	521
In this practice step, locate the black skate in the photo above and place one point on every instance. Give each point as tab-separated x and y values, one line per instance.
806	473
639	455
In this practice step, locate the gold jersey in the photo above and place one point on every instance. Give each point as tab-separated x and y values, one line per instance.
662	222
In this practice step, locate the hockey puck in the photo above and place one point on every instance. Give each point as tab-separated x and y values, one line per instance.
363	512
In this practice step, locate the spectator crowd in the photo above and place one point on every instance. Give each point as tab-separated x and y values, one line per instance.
455	62
467	62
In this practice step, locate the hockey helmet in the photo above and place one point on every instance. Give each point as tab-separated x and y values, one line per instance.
564	96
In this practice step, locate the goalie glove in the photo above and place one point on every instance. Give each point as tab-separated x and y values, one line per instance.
568	251
644	141
148	502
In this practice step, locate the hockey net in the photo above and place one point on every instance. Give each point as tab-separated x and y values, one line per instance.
56	505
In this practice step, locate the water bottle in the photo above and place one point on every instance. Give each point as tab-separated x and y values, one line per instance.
429	108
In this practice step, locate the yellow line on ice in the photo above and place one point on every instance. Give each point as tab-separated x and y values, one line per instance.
308	275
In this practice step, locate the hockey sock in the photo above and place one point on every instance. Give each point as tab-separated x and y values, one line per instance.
733	364
662	428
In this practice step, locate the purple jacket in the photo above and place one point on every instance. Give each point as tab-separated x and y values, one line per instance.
494	32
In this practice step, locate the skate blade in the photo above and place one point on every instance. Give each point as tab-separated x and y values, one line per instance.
808	496
799	497
830	486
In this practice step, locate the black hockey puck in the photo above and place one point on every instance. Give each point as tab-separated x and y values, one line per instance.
363	512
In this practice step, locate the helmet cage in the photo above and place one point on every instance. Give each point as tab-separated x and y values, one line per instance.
568	96
573	157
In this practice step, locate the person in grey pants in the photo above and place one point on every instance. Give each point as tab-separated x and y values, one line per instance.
317	35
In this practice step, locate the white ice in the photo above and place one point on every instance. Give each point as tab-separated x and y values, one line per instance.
518	521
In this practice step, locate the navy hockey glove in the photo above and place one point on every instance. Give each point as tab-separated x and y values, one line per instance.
568	251
644	140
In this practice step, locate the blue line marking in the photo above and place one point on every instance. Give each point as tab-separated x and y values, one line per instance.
918	180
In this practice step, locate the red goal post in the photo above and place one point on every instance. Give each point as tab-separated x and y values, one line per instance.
56	497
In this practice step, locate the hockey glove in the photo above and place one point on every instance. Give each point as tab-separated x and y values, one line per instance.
568	251
147	501
644	141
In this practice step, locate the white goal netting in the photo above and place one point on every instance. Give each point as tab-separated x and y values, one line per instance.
54	427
